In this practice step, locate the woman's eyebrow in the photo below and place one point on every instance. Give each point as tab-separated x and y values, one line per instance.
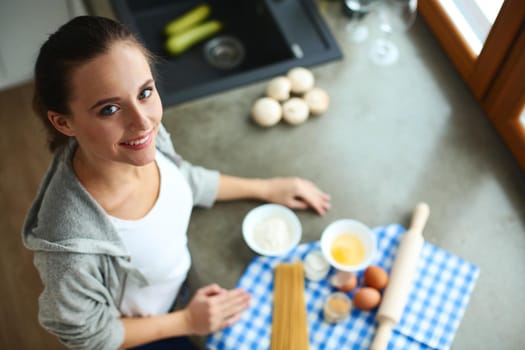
148	82
104	101
115	99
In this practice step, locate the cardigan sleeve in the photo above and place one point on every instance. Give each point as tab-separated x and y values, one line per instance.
75	305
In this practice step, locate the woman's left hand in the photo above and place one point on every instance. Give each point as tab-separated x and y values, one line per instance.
296	193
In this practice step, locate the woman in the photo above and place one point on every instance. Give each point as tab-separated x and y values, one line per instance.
108	225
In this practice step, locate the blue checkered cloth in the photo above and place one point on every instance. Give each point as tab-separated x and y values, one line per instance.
436	303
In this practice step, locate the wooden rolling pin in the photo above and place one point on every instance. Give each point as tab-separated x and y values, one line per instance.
401	277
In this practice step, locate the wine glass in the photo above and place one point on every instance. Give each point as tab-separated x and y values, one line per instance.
357	10
394	16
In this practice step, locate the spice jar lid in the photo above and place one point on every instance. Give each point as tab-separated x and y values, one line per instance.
316	267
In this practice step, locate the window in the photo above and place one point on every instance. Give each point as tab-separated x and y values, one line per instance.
473	18
485	39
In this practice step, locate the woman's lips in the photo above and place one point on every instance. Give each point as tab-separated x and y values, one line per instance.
139	142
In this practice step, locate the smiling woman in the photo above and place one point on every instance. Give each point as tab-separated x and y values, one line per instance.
108	225
113	126
55	65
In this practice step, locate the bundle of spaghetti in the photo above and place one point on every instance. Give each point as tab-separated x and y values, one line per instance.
289	323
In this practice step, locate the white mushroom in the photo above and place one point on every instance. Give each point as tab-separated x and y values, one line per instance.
279	88
302	80
266	111
317	100
295	111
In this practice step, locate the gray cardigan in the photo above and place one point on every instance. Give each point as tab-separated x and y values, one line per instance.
81	259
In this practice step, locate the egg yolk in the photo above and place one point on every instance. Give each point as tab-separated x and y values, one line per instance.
347	249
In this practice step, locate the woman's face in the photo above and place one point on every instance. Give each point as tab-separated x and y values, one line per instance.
115	107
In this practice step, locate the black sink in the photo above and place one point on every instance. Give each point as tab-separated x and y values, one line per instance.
267	37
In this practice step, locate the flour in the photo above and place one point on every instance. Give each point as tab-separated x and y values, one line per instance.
272	234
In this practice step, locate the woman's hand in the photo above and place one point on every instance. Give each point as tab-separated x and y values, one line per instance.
213	308
296	193
292	192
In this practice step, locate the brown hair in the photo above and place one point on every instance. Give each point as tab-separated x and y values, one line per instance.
75	43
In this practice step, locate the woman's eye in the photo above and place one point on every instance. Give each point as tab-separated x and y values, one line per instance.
109	110
146	93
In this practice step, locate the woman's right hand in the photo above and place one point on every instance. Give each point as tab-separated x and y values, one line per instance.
213	308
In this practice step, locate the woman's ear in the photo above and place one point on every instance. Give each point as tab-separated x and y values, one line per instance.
61	123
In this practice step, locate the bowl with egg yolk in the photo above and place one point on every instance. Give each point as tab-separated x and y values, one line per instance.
348	245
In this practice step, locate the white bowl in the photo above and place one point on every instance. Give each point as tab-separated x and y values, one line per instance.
271	229
356	228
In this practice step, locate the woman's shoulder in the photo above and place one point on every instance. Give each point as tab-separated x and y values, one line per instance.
63	214
61	193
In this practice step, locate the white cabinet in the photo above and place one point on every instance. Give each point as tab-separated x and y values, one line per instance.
24	26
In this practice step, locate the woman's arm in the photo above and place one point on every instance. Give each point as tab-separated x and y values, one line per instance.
142	330
292	192
211	309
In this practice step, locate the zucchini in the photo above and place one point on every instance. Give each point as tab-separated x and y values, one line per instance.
177	44
188	19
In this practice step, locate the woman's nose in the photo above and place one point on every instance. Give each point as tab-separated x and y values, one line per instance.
139	118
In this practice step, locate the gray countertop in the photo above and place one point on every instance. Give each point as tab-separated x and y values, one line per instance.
393	136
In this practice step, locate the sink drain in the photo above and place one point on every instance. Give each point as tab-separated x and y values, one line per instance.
224	52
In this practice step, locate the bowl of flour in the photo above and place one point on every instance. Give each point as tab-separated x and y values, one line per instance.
271	229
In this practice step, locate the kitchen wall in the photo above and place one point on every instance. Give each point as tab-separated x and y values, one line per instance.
24	25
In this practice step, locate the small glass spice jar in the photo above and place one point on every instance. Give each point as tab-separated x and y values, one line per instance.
316	267
337	307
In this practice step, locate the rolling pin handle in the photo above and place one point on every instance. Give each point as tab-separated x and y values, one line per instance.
383	332
420	217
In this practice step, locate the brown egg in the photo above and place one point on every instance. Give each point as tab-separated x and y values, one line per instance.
366	298
376	277
344	281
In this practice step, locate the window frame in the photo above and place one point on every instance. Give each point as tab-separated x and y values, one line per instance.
496	77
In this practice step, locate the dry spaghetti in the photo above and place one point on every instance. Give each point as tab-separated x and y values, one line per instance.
289	324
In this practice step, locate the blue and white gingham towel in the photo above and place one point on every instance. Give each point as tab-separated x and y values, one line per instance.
437	301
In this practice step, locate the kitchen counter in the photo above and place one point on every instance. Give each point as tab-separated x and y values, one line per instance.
393	136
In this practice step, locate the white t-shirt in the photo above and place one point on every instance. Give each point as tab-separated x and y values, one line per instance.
157	244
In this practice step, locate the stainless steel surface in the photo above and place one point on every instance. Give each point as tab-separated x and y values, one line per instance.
224	52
